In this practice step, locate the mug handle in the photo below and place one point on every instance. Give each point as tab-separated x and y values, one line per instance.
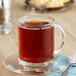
62	38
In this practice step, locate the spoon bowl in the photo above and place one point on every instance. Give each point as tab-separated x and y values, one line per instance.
72	59
72	62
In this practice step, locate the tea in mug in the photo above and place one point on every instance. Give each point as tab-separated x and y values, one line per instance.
36	41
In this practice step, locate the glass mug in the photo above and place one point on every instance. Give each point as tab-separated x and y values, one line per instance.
36	42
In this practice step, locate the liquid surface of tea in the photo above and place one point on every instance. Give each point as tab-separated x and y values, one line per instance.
36	45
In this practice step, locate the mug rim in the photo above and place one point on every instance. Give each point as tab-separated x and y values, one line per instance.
51	21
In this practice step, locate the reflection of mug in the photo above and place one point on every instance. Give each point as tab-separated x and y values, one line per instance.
36	40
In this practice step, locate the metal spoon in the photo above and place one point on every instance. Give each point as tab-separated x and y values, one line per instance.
72	62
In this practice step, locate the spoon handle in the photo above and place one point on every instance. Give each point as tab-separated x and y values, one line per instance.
66	71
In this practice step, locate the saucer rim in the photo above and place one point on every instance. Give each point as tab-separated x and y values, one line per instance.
36	72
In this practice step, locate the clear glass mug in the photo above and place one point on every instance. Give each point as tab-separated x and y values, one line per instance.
36	42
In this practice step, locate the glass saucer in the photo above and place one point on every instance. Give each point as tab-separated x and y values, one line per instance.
11	62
